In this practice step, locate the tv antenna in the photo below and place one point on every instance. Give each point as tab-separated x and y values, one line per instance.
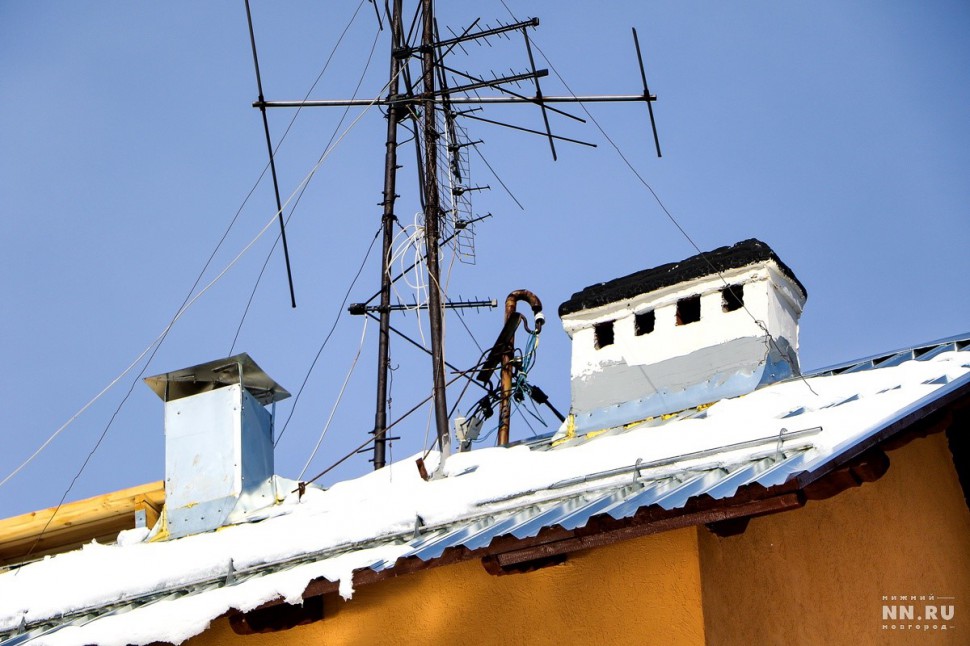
432	98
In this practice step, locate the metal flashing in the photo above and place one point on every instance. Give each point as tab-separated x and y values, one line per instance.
219	373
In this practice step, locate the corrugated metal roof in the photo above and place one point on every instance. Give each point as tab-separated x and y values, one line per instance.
625	496
621	499
922	352
619	493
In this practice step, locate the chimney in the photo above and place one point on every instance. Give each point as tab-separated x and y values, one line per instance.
661	340
218	444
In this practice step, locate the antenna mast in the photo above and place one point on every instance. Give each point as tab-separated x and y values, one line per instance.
388	219
432	214
420	104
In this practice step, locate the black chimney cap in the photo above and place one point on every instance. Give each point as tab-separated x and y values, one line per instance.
742	254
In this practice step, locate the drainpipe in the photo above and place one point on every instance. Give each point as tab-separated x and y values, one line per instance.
505	404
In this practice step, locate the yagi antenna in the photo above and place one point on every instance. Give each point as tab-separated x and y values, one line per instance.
429	107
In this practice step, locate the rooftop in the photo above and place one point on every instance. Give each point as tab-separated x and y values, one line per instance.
754	454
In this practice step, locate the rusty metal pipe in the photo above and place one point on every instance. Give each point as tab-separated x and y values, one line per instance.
505	403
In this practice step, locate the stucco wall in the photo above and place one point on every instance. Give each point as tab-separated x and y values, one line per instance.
817	575
643	591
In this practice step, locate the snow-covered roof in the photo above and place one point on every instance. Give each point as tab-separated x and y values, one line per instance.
781	434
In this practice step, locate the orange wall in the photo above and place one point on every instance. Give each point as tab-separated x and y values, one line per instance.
643	591
817	575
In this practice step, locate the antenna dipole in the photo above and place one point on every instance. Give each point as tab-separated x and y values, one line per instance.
272	159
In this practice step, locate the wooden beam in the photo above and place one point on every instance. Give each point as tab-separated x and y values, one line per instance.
54	530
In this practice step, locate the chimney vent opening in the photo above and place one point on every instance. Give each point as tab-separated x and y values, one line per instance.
644	323
689	310
732	298
604	334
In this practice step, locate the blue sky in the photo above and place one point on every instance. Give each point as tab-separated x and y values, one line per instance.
838	134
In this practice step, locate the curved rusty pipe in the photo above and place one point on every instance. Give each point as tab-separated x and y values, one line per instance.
505	404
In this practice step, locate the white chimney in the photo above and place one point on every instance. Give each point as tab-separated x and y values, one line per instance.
716	325
218	443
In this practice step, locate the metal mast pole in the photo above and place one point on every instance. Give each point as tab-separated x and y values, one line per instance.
431	216
388	218
419	104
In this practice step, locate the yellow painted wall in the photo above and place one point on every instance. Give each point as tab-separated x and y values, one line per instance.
811	576
817	575
642	591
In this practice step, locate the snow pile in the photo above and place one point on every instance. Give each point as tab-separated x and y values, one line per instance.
359	523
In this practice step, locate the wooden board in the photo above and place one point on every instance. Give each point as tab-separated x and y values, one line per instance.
100	518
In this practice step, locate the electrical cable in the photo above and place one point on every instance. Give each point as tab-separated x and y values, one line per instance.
269	255
272	156
464	389
427	432
192	301
336	403
154	346
461	319
496	176
525	419
663	207
91	453
111	384
274	151
413	238
371	438
336	320
323	71
156	342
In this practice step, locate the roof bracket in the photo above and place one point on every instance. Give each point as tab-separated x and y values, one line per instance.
231	574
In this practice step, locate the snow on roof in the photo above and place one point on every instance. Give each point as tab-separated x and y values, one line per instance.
132	590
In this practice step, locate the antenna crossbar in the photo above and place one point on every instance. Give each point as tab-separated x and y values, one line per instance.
483	100
484	33
494	83
507	92
358	309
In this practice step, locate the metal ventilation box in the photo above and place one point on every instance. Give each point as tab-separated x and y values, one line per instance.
218	443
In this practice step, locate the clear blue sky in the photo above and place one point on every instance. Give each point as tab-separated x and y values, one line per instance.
837	132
